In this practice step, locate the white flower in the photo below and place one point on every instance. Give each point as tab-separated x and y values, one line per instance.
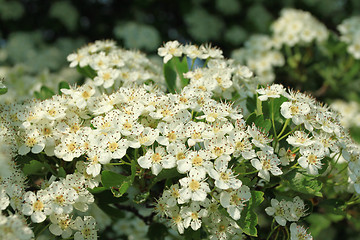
280	211
192	215
170	50
34	141
295	110
86	228
311	158
234	201
268	162
224	177
106	77
272	91
196	161
194	188
299	138
176	220
37	206
62	198
299	233
157	160
61	225
297	209
14	227
4	198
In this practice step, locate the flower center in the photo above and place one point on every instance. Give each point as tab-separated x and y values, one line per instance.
113	146
156	158
194	185
38	205
197	161
30	141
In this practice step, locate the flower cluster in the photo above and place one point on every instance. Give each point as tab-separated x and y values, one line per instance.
112	67
350	34
260	56
349	111
296	27
206	147
286	210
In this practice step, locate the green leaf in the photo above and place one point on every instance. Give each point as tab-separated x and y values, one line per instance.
3	88
166	174
62	85
251	118
141	197
96	190
181	68
170	76
44	93
299	182
34	168
264	124
157	231
61	172
249	219
118	184
87	71
110	179
276	108
121	190
190	234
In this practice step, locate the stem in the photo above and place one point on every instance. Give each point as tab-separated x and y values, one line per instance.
296	128
43	229
248	173
258	106
284	127
272	231
192	63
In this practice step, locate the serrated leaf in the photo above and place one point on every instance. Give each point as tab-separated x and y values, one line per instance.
299	182
249	219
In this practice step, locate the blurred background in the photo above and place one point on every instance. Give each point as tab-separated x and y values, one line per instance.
40	34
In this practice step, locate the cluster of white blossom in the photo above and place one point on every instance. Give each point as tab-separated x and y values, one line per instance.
115	67
350	34
200	138
221	77
317	131
284	210
260	56
349	111
297	27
